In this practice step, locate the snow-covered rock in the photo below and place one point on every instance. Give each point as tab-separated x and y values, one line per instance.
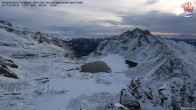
4	71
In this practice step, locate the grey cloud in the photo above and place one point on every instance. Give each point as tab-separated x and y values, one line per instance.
112	22
68	19
163	22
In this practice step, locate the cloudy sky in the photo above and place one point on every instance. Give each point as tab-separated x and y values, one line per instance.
104	16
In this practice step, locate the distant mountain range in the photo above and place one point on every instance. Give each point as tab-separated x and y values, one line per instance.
187	40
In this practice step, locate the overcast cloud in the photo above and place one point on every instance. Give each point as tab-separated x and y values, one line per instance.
99	16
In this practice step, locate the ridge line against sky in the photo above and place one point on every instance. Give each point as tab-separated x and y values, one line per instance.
105	16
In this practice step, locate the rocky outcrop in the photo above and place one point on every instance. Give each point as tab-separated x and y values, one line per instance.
4	71
173	95
5	23
130	63
130	97
129	101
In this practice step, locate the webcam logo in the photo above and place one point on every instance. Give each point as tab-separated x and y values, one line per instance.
188	9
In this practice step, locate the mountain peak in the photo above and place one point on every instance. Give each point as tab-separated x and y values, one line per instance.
136	32
145	32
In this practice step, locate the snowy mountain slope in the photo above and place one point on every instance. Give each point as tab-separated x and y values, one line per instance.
47	79
30	36
4	71
161	63
32	65
78	46
142	47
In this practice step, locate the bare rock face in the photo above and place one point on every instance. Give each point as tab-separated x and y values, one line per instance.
173	94
129	101
130	97
96	67
4	71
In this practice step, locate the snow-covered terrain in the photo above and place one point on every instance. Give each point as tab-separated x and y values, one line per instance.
115	62
40	72
165	75
48	74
